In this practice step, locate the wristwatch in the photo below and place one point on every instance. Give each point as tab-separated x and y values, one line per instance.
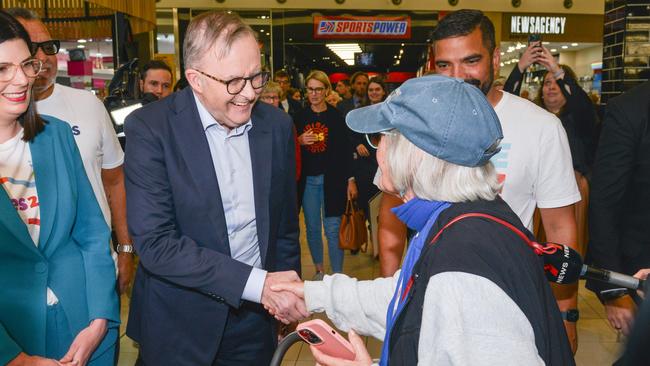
125	248
571	315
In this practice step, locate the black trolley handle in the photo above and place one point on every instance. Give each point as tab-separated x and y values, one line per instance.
283	347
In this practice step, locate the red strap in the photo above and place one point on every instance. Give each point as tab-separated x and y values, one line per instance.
537	247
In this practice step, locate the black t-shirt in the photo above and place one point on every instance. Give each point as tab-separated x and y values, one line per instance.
314	156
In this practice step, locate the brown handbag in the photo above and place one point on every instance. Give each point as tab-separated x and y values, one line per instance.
353	234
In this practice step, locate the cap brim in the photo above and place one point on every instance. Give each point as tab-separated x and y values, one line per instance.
368	119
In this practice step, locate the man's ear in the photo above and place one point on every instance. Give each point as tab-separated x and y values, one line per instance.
496	61
194	79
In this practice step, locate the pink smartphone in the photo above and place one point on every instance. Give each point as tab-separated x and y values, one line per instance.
317	333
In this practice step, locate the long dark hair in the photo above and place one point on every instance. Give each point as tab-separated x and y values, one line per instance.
11	29
380	81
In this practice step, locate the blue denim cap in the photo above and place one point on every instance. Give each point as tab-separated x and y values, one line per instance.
446	117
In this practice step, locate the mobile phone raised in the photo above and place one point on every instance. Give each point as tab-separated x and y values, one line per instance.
320	335
535	38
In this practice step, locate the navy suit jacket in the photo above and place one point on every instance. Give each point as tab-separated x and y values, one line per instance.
187	281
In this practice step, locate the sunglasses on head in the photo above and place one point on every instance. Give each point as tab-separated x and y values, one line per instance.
49	48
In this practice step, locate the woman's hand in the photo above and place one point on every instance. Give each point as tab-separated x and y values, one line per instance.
353	192
307	138
362	357
547	60
362	150
296	288
529	57
25	360
85	343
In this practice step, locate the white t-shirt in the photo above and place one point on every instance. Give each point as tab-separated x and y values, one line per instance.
18	180
534	163
93	132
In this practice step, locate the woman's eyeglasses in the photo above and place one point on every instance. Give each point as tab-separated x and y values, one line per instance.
374	138
31	68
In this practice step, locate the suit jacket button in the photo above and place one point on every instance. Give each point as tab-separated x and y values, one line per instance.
220	299
40	267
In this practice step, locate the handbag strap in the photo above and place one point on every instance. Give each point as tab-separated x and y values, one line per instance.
537	247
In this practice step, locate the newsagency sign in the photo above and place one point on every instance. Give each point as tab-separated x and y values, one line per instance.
346	27
524	24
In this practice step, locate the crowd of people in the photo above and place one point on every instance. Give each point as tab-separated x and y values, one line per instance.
209	189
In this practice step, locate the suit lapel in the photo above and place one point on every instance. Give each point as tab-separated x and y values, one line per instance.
193	145
260	143
46	183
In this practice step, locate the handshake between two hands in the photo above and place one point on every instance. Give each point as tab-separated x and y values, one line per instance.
283	296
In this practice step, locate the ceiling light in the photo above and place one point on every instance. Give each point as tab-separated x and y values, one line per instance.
553	49
546	43
565	47
401	51
395	56
402	44
345	51
82	41
81	46
502	64
574	44
503	53
397	63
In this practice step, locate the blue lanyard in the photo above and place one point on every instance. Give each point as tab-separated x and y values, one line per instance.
398	301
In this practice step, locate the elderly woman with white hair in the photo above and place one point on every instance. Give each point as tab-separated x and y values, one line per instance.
470	291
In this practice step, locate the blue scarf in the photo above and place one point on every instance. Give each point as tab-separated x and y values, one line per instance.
419	215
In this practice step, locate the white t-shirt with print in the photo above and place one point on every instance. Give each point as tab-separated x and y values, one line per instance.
18	180
534	163
93	132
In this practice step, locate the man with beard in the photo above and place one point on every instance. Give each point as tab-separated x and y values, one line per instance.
211	193
534	164
93	132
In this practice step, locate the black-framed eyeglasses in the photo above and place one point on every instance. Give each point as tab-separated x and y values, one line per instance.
317	90
374	138
49	48
236	85
31	68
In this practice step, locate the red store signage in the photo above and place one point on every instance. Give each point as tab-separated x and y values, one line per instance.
334	27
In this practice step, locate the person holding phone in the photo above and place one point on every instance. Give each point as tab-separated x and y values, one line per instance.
561	95
465	292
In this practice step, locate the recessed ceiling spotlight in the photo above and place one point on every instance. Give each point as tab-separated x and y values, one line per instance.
574	44
565	47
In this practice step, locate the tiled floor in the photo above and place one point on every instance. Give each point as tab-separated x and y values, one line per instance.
598	344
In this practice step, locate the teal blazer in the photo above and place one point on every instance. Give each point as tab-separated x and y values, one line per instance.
73	257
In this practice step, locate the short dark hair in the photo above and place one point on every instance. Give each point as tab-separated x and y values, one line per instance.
281	74
154	65
464	22
11	29
345	82
356	75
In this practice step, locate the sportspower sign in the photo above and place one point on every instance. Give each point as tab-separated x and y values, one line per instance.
335	27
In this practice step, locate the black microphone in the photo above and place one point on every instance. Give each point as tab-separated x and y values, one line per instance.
564	265
148	98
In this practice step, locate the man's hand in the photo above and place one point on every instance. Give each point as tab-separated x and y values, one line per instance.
285	306
362	150
642	274
125	270
353	192
85	343
24	360
362	357
620	313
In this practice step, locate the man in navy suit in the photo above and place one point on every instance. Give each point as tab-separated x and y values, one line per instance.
210	179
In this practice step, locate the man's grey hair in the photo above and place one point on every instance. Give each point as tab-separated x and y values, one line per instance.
213	31
23	13
431	178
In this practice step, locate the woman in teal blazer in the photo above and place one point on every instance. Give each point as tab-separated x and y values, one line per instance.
72	257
